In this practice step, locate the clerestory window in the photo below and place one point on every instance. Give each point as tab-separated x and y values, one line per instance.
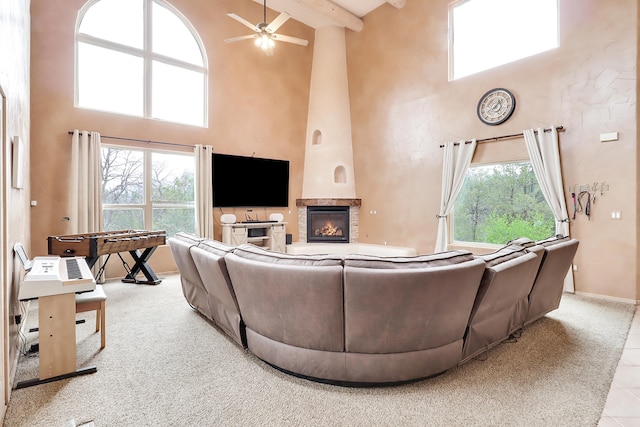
140	58
487	33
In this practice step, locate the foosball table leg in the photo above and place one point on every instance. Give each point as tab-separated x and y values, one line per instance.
142	265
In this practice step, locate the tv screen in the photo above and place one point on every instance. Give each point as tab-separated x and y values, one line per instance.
249	182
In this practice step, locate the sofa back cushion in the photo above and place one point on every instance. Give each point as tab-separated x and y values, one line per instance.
209	259
192	286
296	300
547	289
179	245
553	240
389	309
421	261
505	287
256	253
215	247
503	255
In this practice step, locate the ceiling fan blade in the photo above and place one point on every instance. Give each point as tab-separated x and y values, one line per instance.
243	21
277	23
289	39
236	39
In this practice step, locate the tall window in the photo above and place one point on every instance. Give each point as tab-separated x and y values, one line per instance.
147	190
140	58
499	203
486	33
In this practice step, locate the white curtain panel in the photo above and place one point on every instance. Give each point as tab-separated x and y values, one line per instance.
544	152
85	186
204	190
86	183
457	158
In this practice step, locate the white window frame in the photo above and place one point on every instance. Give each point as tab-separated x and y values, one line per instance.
148	56
147	204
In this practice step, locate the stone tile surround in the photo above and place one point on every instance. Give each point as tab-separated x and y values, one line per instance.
354	215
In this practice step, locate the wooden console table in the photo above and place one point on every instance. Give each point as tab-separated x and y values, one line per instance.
270	235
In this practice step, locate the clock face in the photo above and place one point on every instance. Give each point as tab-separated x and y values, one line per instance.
496	106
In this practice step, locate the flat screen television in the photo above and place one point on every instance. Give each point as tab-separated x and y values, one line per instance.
249	182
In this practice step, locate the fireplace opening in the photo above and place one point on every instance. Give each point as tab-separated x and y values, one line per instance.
328	224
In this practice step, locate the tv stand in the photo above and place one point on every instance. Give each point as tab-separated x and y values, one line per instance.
268	234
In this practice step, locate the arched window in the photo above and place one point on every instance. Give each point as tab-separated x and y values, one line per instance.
140	58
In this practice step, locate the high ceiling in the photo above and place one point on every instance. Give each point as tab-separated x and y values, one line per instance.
322	13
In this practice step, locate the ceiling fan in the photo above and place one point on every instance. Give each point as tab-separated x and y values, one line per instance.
265	36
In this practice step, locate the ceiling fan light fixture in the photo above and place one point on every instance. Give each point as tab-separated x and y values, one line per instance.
265	34
265	42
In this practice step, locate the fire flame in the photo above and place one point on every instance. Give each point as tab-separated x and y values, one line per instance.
329	229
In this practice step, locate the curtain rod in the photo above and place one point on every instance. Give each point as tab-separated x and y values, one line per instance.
148	141
515	135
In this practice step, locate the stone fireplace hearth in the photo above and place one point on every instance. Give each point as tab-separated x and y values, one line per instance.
330	207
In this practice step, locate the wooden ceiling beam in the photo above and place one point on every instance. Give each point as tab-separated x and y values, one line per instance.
336	13
399	4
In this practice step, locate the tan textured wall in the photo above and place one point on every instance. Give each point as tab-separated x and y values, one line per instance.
403	107
14	94
257	104
637	188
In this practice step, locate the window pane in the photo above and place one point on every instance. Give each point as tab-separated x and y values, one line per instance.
118	21
178	94
172	38
499	203
172	178
109	80
123	219
173	220
122	176
488	33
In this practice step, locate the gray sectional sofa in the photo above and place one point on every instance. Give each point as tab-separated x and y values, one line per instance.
369	320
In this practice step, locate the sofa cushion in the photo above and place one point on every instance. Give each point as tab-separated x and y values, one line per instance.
192	286
256	253
209	258
215	247
503	254
421	261
291	300
191	239
553	240
525	242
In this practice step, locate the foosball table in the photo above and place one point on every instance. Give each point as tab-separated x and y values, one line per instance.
139	243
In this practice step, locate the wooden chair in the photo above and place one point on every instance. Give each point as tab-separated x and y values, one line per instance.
94	300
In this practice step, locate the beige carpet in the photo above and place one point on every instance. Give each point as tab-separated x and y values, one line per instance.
164	365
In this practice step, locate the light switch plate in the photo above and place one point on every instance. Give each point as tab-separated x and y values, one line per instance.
608	137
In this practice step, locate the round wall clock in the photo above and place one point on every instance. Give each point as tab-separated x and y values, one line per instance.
496	106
